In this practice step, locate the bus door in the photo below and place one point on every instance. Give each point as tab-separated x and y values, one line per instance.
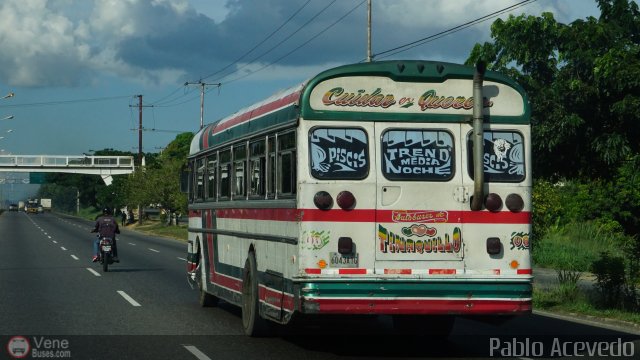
418	209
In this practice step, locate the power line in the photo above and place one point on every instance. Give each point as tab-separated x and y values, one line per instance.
162	103
280	43
66	102
298	47
450	31
260	43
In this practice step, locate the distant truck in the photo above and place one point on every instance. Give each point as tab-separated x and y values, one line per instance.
21	206
46	204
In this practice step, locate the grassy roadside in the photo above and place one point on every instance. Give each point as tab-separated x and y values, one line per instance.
571	249
564	299
178	232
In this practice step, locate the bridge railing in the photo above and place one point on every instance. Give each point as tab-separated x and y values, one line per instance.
66	161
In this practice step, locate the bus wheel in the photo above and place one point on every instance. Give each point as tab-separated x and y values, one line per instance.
205	299
424	325
253	324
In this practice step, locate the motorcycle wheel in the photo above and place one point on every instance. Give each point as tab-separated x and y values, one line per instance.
105	262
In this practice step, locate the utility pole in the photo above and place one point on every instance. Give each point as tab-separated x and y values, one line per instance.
140	129
369	56
202	88
140	106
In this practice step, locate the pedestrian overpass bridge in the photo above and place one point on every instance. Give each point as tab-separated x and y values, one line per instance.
105	166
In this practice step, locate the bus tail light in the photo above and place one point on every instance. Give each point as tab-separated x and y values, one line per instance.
345	245
493	202
514	203
323	200
493	246
346	200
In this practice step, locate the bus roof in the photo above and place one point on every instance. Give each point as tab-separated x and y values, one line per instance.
392	91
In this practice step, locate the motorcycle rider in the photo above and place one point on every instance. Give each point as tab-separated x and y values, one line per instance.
106	226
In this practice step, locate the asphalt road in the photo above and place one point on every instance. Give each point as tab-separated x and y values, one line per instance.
53	298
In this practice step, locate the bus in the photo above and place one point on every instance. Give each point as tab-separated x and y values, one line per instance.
378	188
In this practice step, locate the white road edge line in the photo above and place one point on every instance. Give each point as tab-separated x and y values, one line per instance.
94	272
63	248
75	257
196	352
132	244
183	259
128	298
154	250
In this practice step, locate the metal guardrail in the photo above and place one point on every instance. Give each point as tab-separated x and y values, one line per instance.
67	163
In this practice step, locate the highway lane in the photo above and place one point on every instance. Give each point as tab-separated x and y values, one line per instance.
143	308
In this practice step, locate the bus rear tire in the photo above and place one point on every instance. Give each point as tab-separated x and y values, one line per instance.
253	324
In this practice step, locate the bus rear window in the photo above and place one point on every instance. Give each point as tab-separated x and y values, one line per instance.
421	155
503	156
338	154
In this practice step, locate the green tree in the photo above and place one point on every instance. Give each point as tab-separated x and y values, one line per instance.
583	80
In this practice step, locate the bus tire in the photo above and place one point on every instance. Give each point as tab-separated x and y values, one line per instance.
205	299
254	325
423	325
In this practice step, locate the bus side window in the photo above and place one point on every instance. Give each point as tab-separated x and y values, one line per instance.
287	163
211	177
257	162
224	173
239	169
200	180
190	180
271	171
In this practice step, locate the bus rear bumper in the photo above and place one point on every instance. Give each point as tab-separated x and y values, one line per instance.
426	298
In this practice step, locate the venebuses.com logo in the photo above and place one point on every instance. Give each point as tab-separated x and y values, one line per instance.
20	347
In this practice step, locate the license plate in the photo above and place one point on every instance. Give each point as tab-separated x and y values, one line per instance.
106	248
343	261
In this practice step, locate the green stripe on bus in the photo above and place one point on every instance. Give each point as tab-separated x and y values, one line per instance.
422	289
280	117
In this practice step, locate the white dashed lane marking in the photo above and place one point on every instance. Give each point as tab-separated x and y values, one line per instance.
128	298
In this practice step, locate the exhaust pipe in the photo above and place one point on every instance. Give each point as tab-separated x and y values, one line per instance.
478	138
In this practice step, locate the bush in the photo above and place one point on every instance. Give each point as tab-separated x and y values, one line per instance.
610	277
575	246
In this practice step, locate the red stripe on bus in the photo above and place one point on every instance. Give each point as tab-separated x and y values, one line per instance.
257	112
260	214
442	271
313	271
398	271
368	215
352	271
525	271
420	306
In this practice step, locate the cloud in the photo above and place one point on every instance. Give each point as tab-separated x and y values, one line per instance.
77	42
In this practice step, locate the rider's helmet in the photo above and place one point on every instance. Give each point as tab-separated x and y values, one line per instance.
106	211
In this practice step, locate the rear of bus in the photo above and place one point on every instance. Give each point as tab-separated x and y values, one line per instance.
385	185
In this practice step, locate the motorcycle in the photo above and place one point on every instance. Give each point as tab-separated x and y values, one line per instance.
106	253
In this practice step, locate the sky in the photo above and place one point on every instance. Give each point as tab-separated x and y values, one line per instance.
76	67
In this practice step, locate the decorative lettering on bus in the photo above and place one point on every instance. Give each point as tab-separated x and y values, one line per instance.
419	230
395	243
427	216
503	157
315	240
338	153
431	100
338	97
519	240
417	154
